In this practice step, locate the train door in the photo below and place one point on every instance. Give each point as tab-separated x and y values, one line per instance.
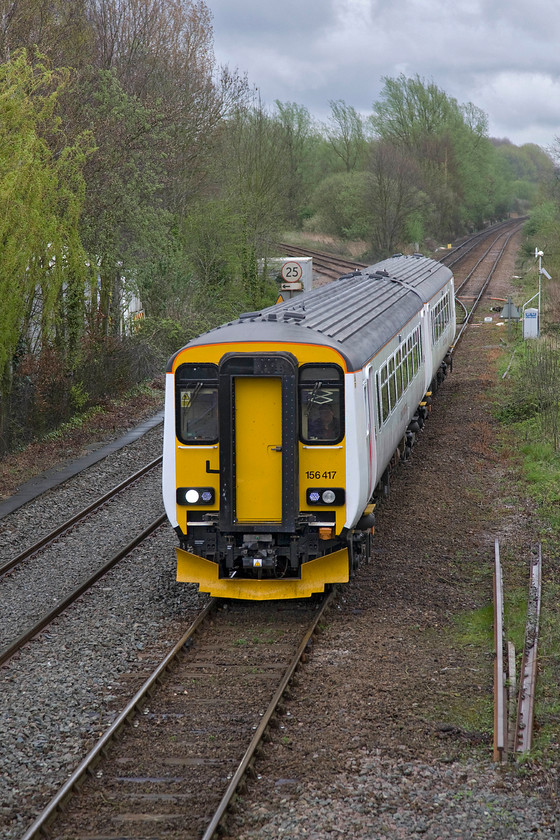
257	423
258	437
371	427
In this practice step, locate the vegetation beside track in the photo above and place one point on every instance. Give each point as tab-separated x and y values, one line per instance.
527	405
70	440
529	410
165	184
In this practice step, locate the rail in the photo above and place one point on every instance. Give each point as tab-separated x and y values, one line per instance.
528	679
209	819
513	733
97	752
500	707
43	622
78	517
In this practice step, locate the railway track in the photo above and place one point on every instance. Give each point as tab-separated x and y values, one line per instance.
150	786
462	250
327	266
474	283
96	505
70	598
196	724
331	267
54	569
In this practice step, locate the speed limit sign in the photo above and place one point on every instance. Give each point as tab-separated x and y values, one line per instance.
292	272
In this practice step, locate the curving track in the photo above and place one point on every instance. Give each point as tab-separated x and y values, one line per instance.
326	267
66	562
181	761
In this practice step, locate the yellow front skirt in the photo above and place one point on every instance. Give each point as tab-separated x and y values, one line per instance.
315	575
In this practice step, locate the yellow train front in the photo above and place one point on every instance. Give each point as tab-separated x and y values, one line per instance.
270	433
249	526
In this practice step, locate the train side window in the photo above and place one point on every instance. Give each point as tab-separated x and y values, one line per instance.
392	384
197	403
385	407
440	318
398	372
405	376
416	351
409	360
321	403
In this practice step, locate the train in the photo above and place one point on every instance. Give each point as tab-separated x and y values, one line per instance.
280	427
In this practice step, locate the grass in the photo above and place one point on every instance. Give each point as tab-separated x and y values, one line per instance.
82	419
76	422
268	637
352	249
532	437
474	630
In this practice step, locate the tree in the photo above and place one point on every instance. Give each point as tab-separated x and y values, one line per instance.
152	103
410	111
394	199
57	30
42	195
122	217
160	51
449	145
340	202
346	135
252	165
298	140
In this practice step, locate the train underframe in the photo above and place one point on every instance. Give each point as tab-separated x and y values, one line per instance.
274	555
266	565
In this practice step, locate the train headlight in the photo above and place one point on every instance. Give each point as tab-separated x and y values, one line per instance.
325	496
195	495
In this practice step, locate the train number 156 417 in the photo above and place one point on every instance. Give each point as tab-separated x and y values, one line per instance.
315	474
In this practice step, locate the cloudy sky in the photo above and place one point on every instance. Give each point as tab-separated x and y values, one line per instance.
501	55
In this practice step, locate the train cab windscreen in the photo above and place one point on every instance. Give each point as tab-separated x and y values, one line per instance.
197	403
321	400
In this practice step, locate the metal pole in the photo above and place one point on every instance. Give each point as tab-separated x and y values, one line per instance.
540	272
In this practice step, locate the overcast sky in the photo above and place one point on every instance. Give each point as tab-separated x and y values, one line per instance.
501	55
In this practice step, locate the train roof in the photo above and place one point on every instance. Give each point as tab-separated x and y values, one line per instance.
356	314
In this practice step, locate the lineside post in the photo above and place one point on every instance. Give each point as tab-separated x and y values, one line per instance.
500	707
528	678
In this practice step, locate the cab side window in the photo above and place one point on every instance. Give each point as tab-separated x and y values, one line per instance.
321	404
196	395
